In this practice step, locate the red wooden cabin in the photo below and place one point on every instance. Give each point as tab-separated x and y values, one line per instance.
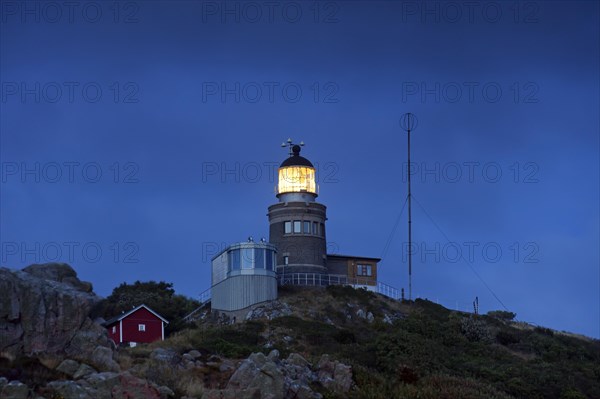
139	325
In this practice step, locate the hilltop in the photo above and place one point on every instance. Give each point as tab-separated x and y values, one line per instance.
334	342
411	349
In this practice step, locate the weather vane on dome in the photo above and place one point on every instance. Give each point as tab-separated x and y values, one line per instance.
291	145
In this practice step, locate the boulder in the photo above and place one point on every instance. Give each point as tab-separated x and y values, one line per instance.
334	376
60	272
69	367
102	359
259	372
84	347
166	355
297	360
72	390
83	371
132	387
42	307
268	377
103	383
301	391
273	355
227	366
15	390
251	393
166	392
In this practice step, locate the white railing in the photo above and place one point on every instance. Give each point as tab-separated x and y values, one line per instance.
389	291
205	297
316	279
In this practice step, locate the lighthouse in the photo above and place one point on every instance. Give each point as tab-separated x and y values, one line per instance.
248	273
297	220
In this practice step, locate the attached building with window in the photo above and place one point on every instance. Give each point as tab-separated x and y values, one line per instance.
360	271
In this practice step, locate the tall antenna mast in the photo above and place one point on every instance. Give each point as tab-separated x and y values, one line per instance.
408	122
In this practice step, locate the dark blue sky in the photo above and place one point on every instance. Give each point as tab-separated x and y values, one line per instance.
138	139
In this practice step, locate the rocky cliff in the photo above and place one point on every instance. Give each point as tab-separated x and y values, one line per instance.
50	348
44	311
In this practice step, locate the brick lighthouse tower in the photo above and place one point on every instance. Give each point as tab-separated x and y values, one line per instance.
297	221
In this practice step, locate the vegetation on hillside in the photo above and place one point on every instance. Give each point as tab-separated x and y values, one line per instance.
396	349
428	351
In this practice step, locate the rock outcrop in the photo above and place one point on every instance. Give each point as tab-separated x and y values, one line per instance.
44	310
269	377
44	316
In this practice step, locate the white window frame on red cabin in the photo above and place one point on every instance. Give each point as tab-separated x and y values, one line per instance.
141	327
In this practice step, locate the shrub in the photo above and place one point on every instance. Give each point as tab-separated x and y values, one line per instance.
505	337
347	292
231	341
571	394
475	329
191	386
544	331
502	315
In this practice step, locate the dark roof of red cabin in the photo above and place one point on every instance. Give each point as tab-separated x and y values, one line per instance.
124	315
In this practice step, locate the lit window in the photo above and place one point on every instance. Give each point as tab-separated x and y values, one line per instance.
286	260
295	179
287	227
297	226
141	327
306	227
364	270
315	230
114	329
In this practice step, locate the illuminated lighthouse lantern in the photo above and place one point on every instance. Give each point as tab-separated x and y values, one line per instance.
295	178
297	221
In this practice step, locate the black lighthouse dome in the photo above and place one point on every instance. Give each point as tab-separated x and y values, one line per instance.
295	159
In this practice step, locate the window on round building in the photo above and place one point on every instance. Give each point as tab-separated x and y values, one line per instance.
306	227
